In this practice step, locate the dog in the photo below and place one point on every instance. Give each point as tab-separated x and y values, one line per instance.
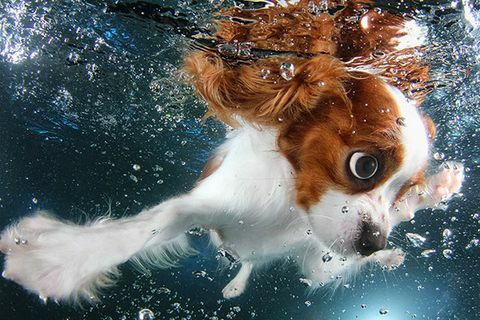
328	152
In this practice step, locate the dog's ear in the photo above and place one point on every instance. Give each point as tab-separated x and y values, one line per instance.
267	91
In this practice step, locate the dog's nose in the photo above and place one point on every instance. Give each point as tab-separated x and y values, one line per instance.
371	239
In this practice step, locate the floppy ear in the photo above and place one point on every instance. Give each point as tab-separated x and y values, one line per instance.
257	92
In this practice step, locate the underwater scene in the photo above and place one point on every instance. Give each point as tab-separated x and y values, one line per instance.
97	117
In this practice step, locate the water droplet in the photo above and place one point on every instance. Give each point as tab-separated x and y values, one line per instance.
428	253
136	167
24	242
327	257
416	239
240	222
345	209
164	290
228	253
447	233
401	121
474	243
309	232
133	178
438	156
287	71
308	303
145	314
157	86
35	200
228	49
321	83
74	58
363	306
200	274
383	311
44	299
169	153
448	253
306	282
17	240
264	73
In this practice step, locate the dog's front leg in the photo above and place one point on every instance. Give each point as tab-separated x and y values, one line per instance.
434	193
238	284
62	260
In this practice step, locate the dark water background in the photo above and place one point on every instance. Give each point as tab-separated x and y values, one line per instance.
94	115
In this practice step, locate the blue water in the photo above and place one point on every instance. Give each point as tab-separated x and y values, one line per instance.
94	116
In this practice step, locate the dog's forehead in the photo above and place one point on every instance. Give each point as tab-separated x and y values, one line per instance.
414	137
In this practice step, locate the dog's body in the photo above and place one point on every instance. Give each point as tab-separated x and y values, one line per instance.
320	180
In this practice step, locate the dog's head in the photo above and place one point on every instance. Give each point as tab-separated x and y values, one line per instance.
354	161
335	85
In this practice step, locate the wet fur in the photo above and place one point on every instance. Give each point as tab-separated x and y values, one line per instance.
276	186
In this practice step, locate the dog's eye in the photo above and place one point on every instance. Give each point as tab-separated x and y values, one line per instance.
362	165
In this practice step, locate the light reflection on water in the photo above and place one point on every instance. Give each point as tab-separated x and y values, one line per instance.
94	112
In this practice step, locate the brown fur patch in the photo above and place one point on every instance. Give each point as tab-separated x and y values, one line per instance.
319	146
242	91
339	43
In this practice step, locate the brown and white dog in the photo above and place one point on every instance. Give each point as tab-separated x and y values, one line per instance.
328	153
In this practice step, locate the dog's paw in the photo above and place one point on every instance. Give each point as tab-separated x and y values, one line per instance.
445	184
234	288
390	259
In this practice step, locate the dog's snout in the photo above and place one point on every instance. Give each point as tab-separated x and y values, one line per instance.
371	239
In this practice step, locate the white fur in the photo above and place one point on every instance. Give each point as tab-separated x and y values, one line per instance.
249	203
415	36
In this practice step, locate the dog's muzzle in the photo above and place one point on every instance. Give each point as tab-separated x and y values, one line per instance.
371	239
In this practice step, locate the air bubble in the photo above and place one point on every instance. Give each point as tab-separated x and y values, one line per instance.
428	253
136	167
327	257
448	253
474	243
401	121
306	282
287	71
416	239
383	311
264	73
345	209
145	314
447	233
438	156
74	58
